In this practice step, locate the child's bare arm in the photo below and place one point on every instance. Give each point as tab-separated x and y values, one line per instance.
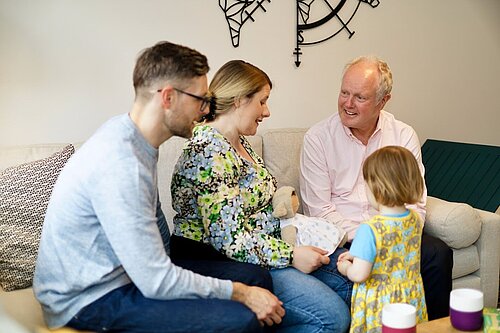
357	270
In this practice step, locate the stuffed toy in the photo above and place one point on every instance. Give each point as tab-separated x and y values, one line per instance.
298	229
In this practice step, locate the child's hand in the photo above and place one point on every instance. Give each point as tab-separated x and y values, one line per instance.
345	256
342	266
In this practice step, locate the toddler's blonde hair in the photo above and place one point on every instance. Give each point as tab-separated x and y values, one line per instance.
393	176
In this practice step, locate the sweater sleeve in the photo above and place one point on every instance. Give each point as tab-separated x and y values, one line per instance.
126	202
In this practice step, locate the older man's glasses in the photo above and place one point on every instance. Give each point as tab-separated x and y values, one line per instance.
205	100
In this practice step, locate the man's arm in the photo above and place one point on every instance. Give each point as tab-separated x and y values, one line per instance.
125	202
315	188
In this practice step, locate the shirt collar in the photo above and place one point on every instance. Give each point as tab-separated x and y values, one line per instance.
378	129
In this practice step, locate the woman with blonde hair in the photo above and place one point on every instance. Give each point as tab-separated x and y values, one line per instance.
222	193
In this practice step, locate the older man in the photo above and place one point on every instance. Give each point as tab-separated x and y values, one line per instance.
331	180
103	262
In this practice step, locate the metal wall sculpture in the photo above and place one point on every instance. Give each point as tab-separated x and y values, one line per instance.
317	20
238	12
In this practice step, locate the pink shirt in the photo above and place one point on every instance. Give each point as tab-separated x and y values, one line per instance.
331	169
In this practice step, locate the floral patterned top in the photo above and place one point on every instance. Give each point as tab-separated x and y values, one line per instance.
224	200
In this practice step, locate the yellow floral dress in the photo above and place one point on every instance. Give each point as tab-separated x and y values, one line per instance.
395	276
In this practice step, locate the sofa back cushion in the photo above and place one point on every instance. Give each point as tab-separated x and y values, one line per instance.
282	149
169	153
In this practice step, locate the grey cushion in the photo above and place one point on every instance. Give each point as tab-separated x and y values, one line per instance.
456	224
24	195
465	261
282	149
168	156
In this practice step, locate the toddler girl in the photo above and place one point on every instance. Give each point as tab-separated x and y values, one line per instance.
384	259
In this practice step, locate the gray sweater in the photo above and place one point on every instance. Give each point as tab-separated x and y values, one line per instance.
104	228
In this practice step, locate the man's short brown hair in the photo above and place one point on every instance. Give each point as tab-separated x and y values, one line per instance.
166	61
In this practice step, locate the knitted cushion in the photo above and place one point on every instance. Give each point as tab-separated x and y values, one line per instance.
24	195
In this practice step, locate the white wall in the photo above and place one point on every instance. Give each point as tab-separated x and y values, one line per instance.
65	65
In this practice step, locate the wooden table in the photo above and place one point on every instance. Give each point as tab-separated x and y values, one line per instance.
442	325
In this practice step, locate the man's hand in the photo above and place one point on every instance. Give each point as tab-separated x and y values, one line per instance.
307	259
267	307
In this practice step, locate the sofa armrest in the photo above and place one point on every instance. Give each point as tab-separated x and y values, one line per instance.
488	246
456	224
459	225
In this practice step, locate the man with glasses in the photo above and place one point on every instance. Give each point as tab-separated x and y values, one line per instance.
205	100
103	260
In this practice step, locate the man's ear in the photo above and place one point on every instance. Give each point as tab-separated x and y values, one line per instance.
167	96
384	100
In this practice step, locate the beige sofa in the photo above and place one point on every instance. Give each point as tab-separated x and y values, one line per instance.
473	234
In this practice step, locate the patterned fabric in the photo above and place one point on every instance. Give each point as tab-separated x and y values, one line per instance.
395	276
315	231
224	200
24	195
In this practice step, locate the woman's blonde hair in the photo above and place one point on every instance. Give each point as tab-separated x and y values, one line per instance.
393	176
234	80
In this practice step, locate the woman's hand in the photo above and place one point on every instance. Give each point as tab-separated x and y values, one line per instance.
266	306
307	259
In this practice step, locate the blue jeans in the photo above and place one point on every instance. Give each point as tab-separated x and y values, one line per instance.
330	275
316	302
125	309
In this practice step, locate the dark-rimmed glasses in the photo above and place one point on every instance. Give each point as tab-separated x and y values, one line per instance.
205	100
